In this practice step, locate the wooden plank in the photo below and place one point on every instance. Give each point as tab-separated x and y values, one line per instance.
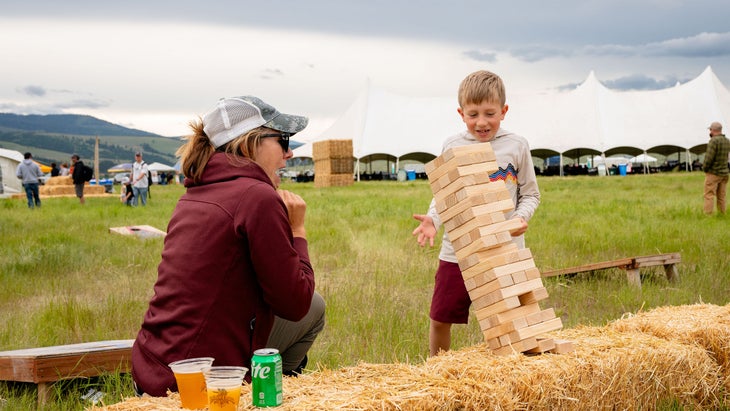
439	165
496	308
465	150
65	361
563	347
440	192
472	281
517	347
454	232
504	328
486	260
657	257
472	201
522	311
497	186
484	243
481	194
537	329
483	169
533	296
506	292
624	262
541	316
503	226
543	345
452	221
490	286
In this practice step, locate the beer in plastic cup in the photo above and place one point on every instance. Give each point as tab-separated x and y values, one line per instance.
224	387
190	381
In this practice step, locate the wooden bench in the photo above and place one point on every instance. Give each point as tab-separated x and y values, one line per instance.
45	365
630	265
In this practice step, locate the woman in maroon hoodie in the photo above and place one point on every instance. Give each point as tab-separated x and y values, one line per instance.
235	274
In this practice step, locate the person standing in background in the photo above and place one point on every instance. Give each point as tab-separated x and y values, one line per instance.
54	170
63	171
716	169
30	173
140	181
77	175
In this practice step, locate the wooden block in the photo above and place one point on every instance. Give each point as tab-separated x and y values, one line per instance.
563	347
447	213
484	243
496	308
455	232
489	192
543	345
659	259
441	164
503	293
493	343
503	226
487	260
537	329
461	151
441	192
478	169
533	296
504	328
472	281
475	211
532	273
522	311
490	286
517	347
462	194
541	316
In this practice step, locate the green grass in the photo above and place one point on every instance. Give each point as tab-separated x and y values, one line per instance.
66	279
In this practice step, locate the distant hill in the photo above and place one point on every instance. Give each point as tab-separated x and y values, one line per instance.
54	137
68	124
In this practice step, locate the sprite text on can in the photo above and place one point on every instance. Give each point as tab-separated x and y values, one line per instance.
266	378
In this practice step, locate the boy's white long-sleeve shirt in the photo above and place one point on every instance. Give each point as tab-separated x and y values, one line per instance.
515	168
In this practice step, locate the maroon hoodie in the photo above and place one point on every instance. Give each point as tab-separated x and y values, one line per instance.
229	264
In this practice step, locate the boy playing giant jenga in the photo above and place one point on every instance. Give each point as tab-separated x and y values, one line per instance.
482	107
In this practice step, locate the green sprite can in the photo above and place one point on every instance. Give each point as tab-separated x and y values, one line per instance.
266	378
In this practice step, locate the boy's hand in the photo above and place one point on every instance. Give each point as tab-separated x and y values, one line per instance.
521	230
425	230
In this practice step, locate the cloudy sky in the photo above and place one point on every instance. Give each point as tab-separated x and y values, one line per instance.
156	65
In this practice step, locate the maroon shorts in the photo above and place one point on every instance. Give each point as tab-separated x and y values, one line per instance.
450	302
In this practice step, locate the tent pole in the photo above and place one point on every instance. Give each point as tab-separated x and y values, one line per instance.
357	169
561	164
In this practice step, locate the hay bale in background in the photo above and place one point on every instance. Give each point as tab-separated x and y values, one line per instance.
609	369
333	163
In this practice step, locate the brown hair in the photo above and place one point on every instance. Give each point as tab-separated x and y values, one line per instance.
482	86
197	150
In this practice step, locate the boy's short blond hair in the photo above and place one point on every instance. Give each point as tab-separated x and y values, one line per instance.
482	86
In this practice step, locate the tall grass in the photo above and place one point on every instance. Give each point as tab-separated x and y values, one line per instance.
66	279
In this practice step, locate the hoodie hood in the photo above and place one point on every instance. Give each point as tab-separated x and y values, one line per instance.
221	168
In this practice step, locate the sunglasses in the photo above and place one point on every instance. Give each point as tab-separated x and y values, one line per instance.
283	139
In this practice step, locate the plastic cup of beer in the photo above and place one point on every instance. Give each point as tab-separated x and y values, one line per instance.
191	382
224	387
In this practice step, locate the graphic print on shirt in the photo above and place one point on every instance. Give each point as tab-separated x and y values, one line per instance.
509	176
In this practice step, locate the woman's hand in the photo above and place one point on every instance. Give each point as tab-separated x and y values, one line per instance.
296	207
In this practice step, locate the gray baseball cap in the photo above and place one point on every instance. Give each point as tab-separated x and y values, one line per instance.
234	116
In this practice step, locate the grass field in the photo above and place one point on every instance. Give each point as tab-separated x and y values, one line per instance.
66	279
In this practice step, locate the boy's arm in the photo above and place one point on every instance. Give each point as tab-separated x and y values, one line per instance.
528	194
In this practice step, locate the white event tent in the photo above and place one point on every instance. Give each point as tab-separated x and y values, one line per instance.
590	120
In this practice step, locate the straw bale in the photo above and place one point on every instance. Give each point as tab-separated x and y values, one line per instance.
608	370
334	166
331	149
60	181
333	180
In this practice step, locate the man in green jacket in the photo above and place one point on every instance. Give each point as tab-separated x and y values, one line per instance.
716	169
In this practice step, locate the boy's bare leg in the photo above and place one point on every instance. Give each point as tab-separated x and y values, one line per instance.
439	337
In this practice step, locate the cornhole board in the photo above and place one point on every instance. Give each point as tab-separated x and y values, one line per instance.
140	231
45	365
503	282
630	265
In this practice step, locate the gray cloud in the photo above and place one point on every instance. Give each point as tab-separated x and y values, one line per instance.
37	91
489	57
270	73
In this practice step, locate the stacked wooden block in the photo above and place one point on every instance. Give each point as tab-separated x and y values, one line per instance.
503	282
333	163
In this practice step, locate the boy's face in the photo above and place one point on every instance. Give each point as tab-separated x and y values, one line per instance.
482	120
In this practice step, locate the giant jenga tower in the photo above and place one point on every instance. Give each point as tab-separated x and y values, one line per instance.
503	282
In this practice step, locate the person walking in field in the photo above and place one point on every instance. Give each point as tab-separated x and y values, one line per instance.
30	173
140	180
235	274
482	107
77	175
716	170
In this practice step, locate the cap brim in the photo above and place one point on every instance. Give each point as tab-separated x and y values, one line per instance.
295	144
287	123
